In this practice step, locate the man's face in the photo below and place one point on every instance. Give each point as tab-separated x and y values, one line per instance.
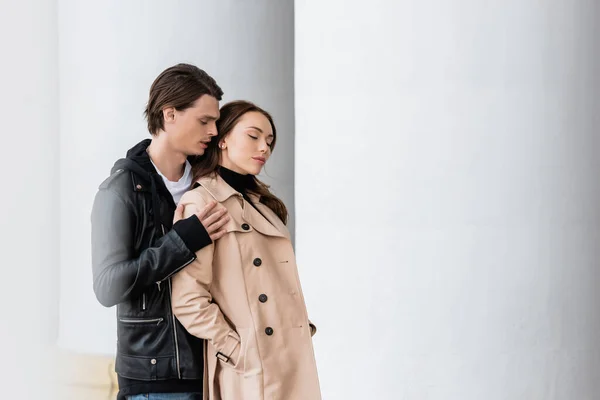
189	131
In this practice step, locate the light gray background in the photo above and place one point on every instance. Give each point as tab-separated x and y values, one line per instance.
446	186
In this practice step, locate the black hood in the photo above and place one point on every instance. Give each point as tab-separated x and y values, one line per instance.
137	160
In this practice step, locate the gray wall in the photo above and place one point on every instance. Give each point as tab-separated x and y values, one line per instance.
29	200
453	146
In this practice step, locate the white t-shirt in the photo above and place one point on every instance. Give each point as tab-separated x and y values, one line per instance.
177	189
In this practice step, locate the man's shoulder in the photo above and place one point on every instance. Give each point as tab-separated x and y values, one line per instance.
116	179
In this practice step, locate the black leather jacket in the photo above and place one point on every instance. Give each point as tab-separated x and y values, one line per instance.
135	251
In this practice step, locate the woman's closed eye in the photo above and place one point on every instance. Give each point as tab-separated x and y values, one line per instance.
256	138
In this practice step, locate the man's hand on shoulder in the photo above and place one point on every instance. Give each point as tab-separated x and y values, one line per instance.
213	220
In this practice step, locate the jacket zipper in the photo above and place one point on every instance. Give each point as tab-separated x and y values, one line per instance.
179	269
142	321
175	331
174	272
144	301
173	315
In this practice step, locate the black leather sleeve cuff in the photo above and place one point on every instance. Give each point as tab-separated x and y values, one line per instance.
193	233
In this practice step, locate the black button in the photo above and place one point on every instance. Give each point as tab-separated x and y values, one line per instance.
257	262
269	331
263	298
245	227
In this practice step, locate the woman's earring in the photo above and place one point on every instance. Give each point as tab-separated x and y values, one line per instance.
222	145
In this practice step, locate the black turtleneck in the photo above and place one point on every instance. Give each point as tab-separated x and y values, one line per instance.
241	183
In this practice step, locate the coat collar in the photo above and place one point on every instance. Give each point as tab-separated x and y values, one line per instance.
217	187
265	221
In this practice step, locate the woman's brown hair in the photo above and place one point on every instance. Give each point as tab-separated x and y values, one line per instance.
209	162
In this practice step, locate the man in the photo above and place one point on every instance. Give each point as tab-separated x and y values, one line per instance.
140	239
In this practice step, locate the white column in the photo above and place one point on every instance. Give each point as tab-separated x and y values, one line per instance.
29	200
447	197
110	52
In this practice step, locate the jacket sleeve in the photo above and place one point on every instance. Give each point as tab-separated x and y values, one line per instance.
192	301
118	273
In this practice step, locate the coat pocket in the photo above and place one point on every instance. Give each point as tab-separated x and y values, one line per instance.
252	363
242	381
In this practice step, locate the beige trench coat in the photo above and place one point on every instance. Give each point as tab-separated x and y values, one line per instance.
243	295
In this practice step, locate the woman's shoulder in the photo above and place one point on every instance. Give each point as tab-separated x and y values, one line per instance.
198	196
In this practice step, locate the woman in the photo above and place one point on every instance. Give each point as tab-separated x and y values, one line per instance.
242	293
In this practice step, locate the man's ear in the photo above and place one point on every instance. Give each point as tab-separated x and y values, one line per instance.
169	114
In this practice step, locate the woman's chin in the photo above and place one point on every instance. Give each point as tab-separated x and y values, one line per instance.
253	171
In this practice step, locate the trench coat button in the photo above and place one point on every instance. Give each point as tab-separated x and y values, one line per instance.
257	262
138	187
263	298
153	361
245	227
269	331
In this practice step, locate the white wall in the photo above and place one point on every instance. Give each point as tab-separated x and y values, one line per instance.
29	200
447	197
110	52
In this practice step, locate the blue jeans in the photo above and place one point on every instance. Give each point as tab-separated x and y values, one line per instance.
166	396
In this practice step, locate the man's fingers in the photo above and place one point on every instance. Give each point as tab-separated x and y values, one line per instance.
206	210
217	225
218	234
214	217
214	222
